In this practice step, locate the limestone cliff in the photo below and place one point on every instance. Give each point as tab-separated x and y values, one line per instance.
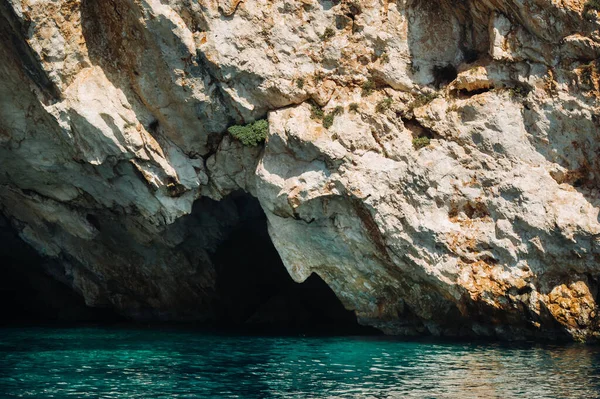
435	162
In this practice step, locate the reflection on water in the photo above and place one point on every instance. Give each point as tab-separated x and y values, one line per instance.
130	363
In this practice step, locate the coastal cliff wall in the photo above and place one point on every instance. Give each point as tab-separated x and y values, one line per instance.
436	163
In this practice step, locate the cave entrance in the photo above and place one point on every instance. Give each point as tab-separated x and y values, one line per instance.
29	296
255	291
251	290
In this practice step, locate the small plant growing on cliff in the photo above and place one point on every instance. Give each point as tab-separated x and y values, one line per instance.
300	83
384	105
591	5
251	134
518	92
328	33
385	58
423	99
316	112
353	107
318	77
328	120
421	142
367	88
330	117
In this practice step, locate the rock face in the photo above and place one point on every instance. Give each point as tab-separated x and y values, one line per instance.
434	162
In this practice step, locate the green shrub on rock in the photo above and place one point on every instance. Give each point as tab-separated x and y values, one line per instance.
251	134
367	88
421	142
384	105
316	112
328	34
328	120
519	91
423	99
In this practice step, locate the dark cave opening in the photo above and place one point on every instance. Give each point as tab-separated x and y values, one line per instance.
255	291
28	295
444	75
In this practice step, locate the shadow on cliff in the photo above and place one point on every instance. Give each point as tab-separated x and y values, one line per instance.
255	291
569	140
124	39
236	279
442	35
118	42
28	295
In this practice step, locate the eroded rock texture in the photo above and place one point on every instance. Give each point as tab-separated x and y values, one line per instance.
116	165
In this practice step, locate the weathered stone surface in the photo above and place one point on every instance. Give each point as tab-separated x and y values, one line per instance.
113	118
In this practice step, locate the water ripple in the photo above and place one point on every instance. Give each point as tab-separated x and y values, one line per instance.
129	363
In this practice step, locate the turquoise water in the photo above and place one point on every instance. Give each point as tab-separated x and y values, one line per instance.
138	363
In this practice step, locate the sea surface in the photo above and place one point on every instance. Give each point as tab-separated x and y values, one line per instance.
171	363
